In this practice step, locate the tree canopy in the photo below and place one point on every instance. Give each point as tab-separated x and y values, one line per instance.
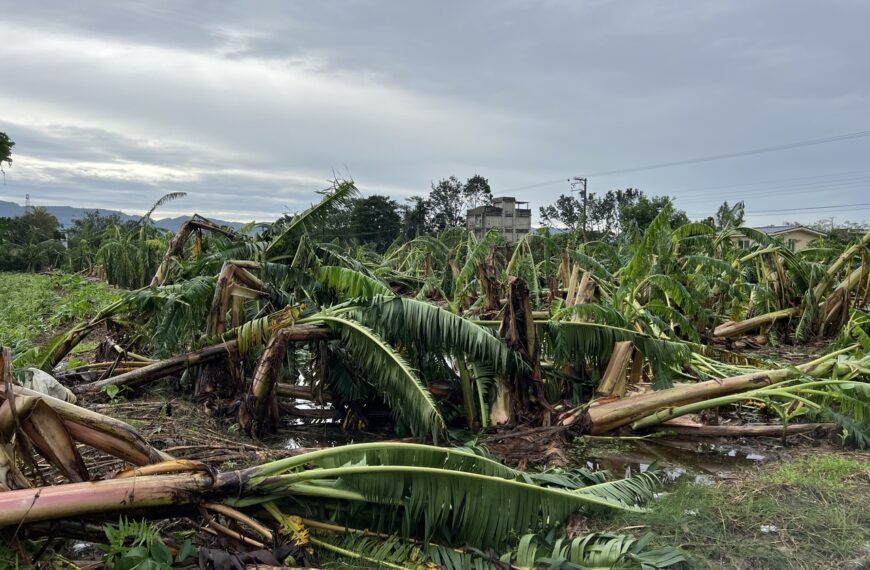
729	216
450	198
375	220
611	213
6	145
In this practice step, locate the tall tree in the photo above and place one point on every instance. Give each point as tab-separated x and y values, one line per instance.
85	237
477	192
730	216
6	145
637	208
611	213
38	225
29	242
413	217
375	220
445	204
567	211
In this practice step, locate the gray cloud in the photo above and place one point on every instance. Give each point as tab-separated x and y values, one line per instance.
251	110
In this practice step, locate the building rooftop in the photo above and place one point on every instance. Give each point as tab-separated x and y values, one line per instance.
775	230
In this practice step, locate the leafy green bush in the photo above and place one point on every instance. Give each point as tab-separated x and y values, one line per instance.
138	545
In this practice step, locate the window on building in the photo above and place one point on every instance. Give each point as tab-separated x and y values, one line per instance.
743	244
792	245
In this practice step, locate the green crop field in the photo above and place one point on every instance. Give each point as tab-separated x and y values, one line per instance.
34	306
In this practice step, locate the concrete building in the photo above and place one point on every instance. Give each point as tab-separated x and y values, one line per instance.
795	237
513	219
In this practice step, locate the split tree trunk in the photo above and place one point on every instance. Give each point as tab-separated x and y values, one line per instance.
259	411
609	416
98	431
216	382
613	382
732	328
176	244
845	259
488	275
161	369
521	396
564	267
835	309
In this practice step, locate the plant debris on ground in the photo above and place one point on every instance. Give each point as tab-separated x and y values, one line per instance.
458	371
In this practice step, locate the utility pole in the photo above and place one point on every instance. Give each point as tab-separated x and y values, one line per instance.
579	185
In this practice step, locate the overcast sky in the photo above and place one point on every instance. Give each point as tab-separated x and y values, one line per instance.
252	107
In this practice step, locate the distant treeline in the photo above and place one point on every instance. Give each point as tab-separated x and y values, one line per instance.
127	252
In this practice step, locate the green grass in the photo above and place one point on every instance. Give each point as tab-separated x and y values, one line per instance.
817	504
35	306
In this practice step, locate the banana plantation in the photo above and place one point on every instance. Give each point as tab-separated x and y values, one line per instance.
459	369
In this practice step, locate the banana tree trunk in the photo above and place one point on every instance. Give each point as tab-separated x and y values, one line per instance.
585	290
176	244
522	395
614	380
845	258
98	431
732	328
300	393
564	270
161	369
572	286
835	309
259	410
606	417
487	275
76	500
215	380
234	281
763	430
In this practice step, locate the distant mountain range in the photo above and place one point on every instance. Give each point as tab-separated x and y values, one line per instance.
66	214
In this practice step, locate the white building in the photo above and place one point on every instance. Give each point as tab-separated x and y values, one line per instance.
795	237
513	219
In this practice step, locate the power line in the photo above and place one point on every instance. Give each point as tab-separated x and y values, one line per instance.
782	190
804	209
736	154
778	180
532	186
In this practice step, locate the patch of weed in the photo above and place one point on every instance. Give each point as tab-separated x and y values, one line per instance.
825	471
810	513
34	306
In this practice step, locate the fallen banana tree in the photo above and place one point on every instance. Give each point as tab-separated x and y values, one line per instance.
392	493
825	302
36	422
194	226
652	408
216	352
732	328
788	391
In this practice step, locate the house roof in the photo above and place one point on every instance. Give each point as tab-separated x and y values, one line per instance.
777	230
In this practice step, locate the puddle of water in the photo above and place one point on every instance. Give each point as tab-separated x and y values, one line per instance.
703	462
308	435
